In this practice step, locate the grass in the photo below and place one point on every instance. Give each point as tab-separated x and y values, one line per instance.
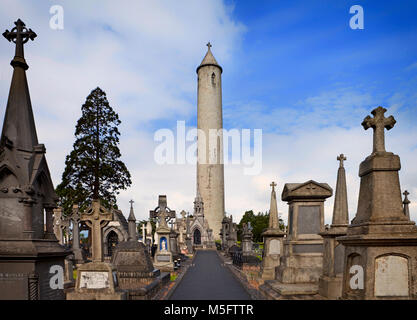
173	277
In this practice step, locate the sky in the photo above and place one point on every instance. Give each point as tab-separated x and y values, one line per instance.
294	69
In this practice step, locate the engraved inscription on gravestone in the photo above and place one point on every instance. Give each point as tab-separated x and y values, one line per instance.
163	258
94	280
391	276
308	220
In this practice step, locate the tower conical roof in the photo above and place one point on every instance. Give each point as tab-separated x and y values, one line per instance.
209	59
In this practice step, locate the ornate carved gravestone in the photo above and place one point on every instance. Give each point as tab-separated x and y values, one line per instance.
301	265
381	242
96	280
273	240
163	257
76	249
28	247
330	284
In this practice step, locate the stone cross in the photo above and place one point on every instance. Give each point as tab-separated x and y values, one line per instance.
406	203
378	123
273	185
162	212
209	45
97	217
143	234
75	217
341	158
19	35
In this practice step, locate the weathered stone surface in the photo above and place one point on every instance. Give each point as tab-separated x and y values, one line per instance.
381	241
210	167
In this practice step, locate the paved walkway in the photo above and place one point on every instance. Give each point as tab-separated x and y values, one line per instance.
208	279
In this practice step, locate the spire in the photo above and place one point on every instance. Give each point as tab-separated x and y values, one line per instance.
132	224
209	59
273	211
340	210
19	125
406	203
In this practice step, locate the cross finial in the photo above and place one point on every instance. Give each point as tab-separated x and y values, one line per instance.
19	35
341	158
273	185
406	193
378	123
209	45
131	203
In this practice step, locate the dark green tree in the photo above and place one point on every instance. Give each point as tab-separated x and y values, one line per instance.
93	169
258	222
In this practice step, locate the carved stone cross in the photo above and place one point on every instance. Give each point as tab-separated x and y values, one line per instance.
209	45
341	158
162	212
273	185
378	123
406	203
97	217
19	35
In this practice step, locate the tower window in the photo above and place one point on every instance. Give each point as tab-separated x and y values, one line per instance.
213	79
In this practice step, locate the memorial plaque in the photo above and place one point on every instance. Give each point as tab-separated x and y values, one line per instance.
391	276
307	248
94	280
308	220
163	258
274	247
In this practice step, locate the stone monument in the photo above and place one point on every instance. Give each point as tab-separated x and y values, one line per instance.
163	257
76	249
301	265
381	242
133	263
28	246
273	240
96	280
330	283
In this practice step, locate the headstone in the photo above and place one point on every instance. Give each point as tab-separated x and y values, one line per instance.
76	249
273	240
330	283
135	271
381	241
96	280
27	193
301	264
163	259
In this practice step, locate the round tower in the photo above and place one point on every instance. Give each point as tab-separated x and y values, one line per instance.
210	168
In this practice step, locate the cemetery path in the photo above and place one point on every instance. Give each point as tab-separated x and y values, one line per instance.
209	279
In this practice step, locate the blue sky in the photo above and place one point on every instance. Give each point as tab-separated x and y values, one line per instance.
294	69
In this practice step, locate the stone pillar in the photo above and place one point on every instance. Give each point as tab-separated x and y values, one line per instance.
330	282
273	240
380	259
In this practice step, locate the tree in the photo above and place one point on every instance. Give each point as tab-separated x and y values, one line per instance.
258	222
93	169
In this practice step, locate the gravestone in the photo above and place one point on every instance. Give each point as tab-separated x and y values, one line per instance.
330	283
163	259
96	280
302	260
28	247
135	271
273	240
381	240
76	249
